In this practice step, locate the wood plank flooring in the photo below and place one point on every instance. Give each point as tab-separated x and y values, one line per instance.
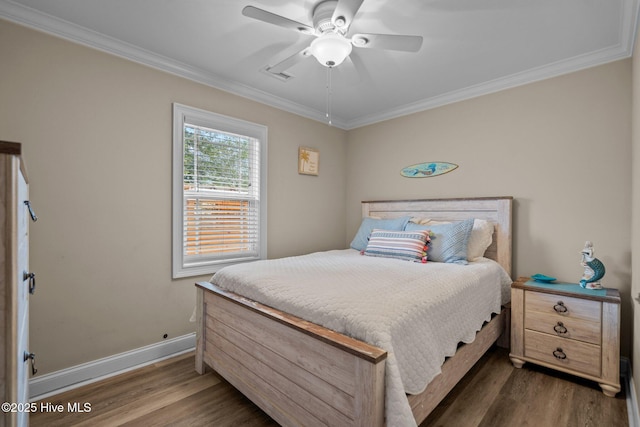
493	394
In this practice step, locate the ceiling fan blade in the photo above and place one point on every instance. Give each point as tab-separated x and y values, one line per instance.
344	13
272	18
388	41
289	62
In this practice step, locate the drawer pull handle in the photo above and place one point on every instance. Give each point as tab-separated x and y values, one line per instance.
560	328
560	307
559	354
27	203
31	277
32	357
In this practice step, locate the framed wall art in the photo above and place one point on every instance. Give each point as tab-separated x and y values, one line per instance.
308	161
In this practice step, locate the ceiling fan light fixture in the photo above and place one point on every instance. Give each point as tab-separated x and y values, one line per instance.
330	49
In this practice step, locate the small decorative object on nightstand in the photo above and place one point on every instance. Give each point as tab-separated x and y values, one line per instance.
593	268
568	328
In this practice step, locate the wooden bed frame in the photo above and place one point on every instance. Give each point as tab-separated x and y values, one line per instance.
301	373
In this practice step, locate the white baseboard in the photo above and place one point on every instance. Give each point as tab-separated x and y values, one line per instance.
86	373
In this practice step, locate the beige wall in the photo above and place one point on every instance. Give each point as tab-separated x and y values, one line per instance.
97	135
96	131
635	225
560	147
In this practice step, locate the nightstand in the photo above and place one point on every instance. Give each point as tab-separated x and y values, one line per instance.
565	327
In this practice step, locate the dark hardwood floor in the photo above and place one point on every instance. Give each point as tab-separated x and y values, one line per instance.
493	394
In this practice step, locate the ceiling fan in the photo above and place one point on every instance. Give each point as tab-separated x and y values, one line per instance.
331	22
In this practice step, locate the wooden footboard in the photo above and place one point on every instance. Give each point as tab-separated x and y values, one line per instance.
297	372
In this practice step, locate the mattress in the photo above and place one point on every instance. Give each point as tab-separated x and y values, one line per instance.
417	312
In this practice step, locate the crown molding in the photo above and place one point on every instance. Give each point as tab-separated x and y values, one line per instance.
39	21
628	27
514	80
46	23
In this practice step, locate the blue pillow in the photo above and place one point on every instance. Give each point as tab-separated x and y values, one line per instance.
448	241
368	224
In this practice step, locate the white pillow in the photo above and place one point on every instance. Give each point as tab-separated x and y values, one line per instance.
480	239
428	221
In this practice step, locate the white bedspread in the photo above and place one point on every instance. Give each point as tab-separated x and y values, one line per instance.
417	312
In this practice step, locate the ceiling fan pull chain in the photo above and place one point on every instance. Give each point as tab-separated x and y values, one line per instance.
329	94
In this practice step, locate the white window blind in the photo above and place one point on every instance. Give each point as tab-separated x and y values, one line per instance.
222	211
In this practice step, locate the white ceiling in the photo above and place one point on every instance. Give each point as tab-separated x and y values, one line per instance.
471	47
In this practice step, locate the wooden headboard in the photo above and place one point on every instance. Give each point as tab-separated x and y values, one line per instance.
494	209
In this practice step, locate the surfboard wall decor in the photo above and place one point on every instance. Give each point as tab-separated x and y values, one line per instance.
427	169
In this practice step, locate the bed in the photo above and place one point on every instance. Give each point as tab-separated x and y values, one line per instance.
301	373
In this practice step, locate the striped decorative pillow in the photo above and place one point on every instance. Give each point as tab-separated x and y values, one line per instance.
406	245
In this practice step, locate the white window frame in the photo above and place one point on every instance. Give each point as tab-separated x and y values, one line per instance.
184	114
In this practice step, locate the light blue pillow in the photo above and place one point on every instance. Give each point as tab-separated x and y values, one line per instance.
367	225
448	241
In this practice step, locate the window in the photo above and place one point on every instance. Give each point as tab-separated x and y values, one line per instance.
219	191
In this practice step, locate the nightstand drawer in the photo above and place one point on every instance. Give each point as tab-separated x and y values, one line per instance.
563	326
564	306
561	352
